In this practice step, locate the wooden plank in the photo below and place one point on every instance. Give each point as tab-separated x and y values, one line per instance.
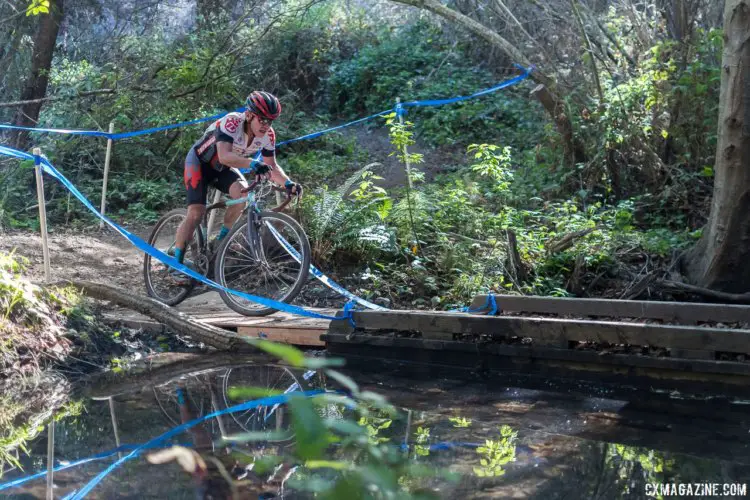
558	330
692	354
684	312
437	335
549	354
294	336
237	322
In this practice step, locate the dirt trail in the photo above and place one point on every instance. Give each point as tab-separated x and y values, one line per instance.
378	146
103	256
107	257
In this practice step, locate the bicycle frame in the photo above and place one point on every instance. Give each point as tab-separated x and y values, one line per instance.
252	210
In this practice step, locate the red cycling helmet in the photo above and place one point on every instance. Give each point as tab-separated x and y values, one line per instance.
264	105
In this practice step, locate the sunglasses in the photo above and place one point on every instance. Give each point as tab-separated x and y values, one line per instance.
263	121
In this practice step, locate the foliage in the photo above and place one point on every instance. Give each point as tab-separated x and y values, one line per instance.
495	454
641	185
460	422
348	219
37	7
347	457
418	62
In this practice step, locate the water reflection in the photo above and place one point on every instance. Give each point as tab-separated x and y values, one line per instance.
477	443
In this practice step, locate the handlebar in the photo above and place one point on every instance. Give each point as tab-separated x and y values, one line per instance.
259	179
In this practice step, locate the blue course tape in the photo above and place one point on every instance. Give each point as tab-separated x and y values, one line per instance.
490	303
400	108
294	387
320	276
61	467
317	134
180	428
445	446
145	247
122	135
126	135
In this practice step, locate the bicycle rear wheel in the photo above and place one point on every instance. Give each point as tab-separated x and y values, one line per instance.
156	275
277	269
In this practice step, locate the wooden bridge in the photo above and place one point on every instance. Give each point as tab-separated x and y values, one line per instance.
208	308
691	348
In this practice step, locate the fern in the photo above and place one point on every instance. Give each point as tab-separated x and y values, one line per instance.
422	208
326	210
335	222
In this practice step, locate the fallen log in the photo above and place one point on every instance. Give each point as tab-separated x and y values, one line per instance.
177	321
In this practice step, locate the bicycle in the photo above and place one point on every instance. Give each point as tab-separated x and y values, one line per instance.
209	391
257	242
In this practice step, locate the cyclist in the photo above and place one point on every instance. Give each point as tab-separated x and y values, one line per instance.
230	142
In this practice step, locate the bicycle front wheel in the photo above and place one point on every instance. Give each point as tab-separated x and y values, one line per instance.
270	260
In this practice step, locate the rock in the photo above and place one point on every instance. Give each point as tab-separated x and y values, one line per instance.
382	301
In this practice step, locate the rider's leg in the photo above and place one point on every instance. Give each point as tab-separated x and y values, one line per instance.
197	178
228	182
233	213
187	229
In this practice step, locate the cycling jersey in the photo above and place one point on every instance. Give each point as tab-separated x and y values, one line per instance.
231	129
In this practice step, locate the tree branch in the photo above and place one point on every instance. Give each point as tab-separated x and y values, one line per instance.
545	91
479	29
79	95
740	298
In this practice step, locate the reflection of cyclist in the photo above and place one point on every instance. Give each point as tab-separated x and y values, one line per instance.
211	478
217	477
230	142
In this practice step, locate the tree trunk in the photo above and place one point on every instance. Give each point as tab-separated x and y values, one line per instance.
208	11
41	62
720	259
545	91
177	321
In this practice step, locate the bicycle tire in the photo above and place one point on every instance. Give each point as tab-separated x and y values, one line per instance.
241	419
186	289
301	279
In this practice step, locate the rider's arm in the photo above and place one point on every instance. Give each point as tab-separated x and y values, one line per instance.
228	158
278	176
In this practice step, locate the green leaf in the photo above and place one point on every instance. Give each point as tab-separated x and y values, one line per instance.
315	484
382	476
245	393
247	437
336	399
385	424
317	363
287	353
343	380
345	427
37	7
327	464
707	172
311	435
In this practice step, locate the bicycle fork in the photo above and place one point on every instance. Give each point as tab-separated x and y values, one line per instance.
253	237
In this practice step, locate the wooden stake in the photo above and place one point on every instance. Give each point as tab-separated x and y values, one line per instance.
107	159
42	211
50	458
